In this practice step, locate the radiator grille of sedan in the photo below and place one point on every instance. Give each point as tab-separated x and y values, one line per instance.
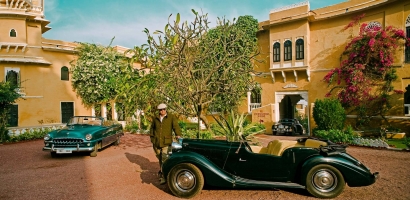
67	141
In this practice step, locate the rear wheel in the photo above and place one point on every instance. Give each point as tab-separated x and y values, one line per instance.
325	181
185	180
117	142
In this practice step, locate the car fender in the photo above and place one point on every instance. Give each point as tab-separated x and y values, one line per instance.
213	174
354	174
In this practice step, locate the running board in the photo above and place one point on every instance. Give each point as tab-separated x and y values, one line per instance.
243	182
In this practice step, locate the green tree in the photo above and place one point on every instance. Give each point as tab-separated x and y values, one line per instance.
8	95
95	72
192	66
365	76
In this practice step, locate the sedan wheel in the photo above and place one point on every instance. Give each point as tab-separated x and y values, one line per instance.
117	142
94	152
325	181
185	180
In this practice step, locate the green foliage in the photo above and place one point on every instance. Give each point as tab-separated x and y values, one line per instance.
194	65
336	135
232	126
95	72
364	81
329	114
192	133
8	95
29	135
132	127
255	128
399	143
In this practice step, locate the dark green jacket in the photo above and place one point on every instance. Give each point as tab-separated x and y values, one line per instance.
161	132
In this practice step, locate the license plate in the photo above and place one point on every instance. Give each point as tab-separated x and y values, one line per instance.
63	151
281	126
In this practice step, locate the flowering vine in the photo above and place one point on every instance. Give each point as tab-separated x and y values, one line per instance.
363	81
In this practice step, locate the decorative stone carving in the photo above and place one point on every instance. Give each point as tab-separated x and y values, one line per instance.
291	85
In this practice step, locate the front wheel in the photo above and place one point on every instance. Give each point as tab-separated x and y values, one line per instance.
95	151
185	180
325	181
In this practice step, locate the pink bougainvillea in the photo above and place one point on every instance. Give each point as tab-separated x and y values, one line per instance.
365	75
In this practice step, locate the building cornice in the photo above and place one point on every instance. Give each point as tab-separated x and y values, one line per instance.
24	59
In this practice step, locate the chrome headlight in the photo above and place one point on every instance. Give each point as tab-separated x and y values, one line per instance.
47	137
176	146
88	137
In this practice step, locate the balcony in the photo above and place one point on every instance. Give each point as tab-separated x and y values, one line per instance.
276	70
253	106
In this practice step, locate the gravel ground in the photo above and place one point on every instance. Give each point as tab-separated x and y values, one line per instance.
128	171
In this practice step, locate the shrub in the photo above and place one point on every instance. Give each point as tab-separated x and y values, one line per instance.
190	133
329	114
132	126
33	135
336	135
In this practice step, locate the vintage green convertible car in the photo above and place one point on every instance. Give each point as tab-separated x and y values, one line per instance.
83	134
321	167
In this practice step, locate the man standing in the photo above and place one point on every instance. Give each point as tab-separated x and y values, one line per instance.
161	134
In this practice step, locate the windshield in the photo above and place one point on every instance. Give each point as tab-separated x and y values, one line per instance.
95	121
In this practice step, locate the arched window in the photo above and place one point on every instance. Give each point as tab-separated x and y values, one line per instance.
64	73
299	49
373	26
407	50
276	52
13	77
13	33
288	50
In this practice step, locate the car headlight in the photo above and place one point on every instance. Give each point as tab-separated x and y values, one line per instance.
88	137
47	137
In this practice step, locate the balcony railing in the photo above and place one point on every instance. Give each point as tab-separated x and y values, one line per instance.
254	106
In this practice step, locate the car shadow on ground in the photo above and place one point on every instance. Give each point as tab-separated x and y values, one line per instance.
149	171
301	192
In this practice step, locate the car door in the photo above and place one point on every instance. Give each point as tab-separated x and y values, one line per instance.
256	166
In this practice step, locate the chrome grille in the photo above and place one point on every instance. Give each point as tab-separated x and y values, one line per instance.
67	141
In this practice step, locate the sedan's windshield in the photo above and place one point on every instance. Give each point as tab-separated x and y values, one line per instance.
95	121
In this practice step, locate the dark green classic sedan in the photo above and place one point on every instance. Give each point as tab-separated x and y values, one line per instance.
321	167
83	134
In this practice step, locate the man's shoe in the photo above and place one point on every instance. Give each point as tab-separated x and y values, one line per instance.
162	181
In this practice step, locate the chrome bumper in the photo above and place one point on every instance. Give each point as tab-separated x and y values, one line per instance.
73	149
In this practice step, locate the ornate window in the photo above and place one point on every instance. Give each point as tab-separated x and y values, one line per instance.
288	50
373	26
64	74
300	49
13	33
407	49
13	76
276	52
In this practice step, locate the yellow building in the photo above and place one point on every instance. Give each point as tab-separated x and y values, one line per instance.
300	46
40	66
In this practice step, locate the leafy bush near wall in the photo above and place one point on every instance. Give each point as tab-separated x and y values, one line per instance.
335	135
329	114
132	127
29	136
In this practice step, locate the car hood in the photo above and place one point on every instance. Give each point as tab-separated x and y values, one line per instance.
75	131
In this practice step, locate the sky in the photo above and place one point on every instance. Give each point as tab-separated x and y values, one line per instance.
98	21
